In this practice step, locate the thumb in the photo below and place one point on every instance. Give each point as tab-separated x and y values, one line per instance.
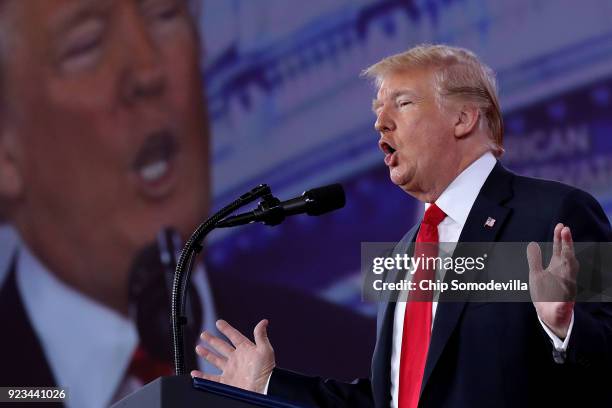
534	257
261	333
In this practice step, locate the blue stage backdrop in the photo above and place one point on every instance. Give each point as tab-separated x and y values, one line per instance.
288	108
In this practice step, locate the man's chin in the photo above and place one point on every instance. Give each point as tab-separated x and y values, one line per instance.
398	178
405	183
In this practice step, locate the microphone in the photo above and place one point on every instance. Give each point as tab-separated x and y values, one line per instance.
271	211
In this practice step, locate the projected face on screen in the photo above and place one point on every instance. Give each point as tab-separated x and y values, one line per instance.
104	138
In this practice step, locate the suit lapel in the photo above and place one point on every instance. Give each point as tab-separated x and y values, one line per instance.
488	206
23	359
405	246
381	361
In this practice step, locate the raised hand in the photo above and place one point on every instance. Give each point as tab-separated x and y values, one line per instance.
553	290
244	364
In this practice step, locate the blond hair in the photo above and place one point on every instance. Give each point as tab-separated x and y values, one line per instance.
459	75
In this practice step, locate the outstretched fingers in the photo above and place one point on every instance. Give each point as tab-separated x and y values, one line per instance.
219	345
244	364
261	334
567	243
231	333
534	257
211	357
557	239
568	255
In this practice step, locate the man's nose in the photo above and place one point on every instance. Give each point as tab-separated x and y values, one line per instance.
144	76
384	123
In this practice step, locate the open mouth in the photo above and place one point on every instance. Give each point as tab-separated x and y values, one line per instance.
389	151
154	163
386	148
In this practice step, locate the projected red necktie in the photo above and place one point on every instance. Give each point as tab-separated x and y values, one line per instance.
146	368
417	321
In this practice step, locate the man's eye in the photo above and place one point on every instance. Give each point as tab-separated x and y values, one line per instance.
404	103
83	48
165	10
82	55
169	13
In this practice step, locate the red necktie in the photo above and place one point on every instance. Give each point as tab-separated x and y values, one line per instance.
146	368
417	320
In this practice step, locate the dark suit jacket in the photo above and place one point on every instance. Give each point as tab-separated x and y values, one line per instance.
20	349
493	354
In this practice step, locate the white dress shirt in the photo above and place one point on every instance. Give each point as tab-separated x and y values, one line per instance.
456	202
88	346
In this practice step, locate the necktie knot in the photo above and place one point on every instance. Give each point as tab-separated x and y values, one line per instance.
433	216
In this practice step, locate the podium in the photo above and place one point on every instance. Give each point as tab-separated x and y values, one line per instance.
187	392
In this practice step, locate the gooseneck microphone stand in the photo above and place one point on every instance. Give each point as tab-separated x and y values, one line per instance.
186	260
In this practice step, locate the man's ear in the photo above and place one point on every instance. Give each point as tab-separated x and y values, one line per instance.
11	179
466	120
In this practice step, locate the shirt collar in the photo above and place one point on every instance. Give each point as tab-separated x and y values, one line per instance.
458	198
88	346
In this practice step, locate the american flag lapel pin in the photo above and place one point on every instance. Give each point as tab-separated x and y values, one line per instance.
490	222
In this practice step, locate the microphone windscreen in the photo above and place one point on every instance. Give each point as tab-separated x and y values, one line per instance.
325	199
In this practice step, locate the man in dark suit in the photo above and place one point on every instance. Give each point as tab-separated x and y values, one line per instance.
440	129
